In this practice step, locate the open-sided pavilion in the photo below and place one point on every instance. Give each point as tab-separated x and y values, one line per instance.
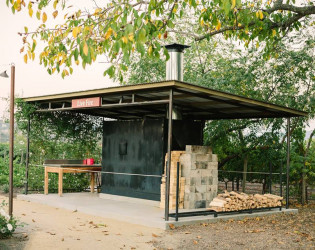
167	100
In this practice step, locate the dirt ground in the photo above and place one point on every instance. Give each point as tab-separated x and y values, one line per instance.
281	231
51	228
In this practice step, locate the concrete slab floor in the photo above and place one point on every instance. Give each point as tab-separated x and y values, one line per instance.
137	211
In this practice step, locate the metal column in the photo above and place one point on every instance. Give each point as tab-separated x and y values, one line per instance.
288	163
27	154
11	142
169	157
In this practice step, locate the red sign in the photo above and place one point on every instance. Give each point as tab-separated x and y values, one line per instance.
86	102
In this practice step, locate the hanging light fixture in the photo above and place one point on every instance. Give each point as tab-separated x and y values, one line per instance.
4	74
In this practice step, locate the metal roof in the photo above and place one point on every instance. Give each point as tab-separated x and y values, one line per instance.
150	100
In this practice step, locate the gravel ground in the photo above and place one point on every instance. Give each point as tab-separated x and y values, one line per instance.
281	231
51	228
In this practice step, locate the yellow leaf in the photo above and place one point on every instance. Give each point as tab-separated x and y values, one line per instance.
97	11
44	17
218	26
30	11
150	50
75	31
33	56
55	13
233	4
29	54
261	15
85	49
174	10
108	33
159	35
77	62
124	39
55	4
53	70
257	45
274	32
246	31
202	22
25	58
257	14
130	37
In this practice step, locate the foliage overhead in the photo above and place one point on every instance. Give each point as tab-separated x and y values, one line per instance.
122	27
287	80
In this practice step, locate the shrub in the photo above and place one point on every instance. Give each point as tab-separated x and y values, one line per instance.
7	224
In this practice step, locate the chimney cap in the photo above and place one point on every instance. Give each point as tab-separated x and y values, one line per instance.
176	47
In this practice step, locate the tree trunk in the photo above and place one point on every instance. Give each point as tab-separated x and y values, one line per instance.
244	173
303	198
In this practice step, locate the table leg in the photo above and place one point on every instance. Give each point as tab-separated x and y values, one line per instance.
60	184
92	182
46	181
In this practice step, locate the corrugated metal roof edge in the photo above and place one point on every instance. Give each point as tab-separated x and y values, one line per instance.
243	98
162	84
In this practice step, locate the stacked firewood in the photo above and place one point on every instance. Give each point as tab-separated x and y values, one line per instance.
233	201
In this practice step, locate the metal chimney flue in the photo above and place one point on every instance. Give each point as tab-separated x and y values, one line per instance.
174	66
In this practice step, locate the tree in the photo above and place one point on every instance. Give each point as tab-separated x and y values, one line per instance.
124	26
286	80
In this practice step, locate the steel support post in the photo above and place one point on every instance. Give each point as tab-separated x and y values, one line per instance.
11	142
169	156
270	177
281	179
288	163
27	154
177	190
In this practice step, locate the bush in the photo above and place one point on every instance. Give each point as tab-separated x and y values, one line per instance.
7	224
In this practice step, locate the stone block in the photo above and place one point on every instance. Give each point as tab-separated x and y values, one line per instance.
198	149
203	157
214	158
203	196
210	180
212	165
201	165
195	173
209	188
201	189
204	180
195	181
198	197
186	197
206	172
200	204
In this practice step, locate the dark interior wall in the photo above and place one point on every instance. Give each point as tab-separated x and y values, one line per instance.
186	132
139	147
133	147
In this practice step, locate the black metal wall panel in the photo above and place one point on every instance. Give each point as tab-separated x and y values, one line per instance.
186	132
135	147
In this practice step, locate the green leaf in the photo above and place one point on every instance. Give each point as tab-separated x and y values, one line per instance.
110	71
76	54
142	36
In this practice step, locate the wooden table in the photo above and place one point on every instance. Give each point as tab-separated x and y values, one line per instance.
60	169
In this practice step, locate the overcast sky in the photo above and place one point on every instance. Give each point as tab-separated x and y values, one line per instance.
32	78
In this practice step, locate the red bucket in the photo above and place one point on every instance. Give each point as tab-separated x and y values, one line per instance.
89	161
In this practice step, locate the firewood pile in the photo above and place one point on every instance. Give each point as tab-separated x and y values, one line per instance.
233	201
